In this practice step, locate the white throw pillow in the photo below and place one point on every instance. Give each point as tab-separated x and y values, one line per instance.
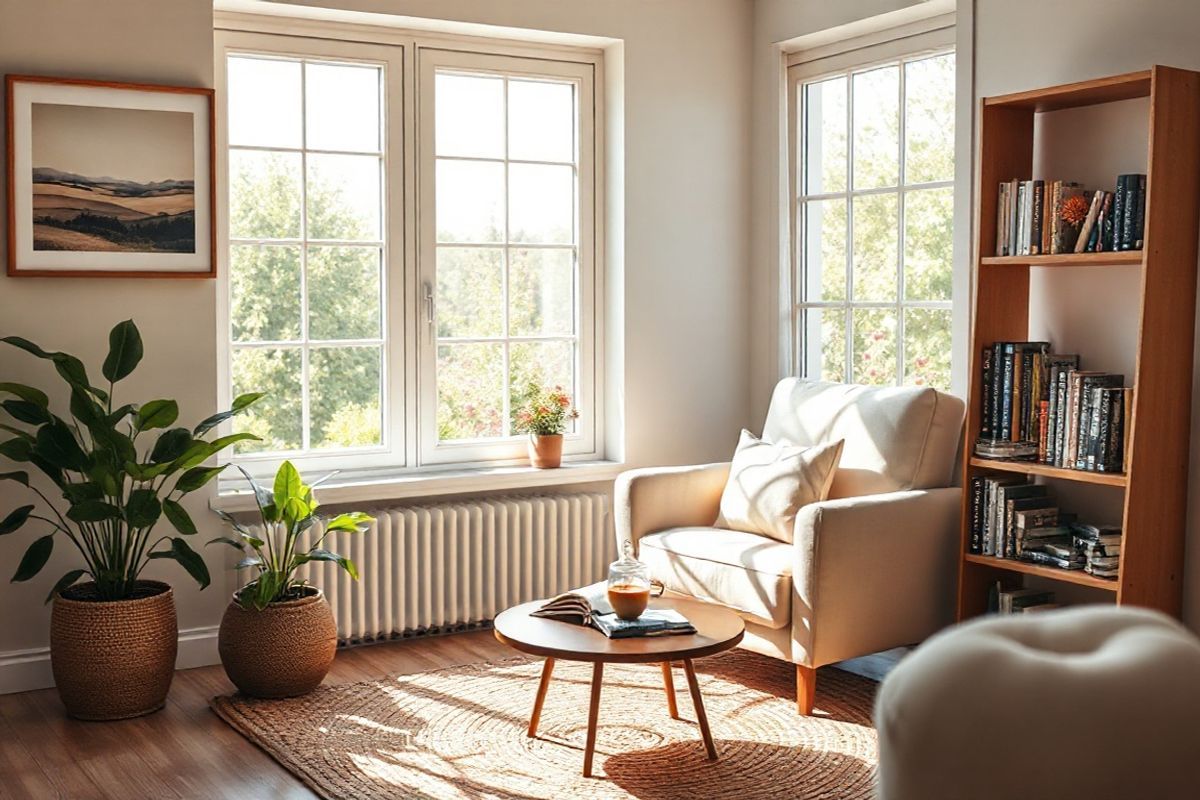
769	483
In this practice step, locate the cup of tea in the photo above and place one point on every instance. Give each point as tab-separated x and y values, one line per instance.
630	586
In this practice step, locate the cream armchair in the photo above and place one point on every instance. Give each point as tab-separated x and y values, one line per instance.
872	567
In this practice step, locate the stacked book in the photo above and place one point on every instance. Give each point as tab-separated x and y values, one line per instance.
1020	601
1012	517
1039	217
1040	406
1100	548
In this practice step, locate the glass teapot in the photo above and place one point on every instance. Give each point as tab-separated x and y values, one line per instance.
630	586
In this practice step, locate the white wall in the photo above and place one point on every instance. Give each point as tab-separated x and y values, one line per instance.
686	65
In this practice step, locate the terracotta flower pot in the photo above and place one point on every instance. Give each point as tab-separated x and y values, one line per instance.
285	650
545	451
113	659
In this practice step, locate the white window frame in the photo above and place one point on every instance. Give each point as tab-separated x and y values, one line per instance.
407	408
582	441
913	43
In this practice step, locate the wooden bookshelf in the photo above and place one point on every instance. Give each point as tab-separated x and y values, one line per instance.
1154	486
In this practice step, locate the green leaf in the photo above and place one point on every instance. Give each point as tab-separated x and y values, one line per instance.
352	522
25	411
93	511
240	404
179	517
227	540
157	414
171	445
17	431
261	591
288	485
262	495
26	393
222	442
244	401
15	519
211	422
249	561
85	408
142	509
326	555
65	581
71	370
27	346
124	351
19	477
147	472
34	559
196	477
57	444
121	413
49	470
16	449
188	558
78	492
112	445
350	567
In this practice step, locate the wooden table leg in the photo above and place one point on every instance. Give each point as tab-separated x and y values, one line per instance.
701	717
593	711
547	669
669	684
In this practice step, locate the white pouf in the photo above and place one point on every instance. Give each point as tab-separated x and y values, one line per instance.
1090	703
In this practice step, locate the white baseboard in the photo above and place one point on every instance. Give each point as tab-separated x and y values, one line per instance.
26	670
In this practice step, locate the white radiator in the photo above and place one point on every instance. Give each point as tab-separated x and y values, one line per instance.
452	566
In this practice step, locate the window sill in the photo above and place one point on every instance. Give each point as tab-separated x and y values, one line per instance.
379	487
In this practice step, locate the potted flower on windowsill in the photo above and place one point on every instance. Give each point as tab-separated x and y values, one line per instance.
544	415
113	638
278	636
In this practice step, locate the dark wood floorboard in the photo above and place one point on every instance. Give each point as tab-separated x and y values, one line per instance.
185	751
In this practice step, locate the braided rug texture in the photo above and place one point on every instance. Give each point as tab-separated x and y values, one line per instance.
460	733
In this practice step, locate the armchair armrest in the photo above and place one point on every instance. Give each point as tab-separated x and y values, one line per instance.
879	570
656	498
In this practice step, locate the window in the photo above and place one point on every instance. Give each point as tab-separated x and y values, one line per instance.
376	354
874	200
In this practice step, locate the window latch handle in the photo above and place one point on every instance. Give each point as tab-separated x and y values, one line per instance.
429	304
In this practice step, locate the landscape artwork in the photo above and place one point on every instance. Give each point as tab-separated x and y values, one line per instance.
112	179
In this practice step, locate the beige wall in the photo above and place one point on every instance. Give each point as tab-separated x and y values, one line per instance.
683	293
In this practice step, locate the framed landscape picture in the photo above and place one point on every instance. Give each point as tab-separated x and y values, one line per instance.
109	179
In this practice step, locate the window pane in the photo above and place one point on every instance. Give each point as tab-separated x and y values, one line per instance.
824	334
927	346
470	201
877	128
343	292
928	243
929	119
277	417
541	292
342	107
470	292
344	388
343	197
264	102
264	195
541	121
470	389
876	220
540	364
469	116
825	250
264	290
874	346
825	137
541	204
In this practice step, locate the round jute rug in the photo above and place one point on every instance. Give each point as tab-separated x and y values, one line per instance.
460	733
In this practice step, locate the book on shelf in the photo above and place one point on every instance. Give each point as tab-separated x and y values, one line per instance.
1038	217
1018	601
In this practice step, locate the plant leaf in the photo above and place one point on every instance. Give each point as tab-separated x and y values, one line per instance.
26	393
35	558
350	567
25	411
249	561
58	445
19	477
120	413
78	492
124	351
262	495
188	558
171	445
16	449
15	519
240	404
156	414
179	517
196	477
85	408
288	488
244	401
352	522
142	509
93	511
65	581
229	541
147	472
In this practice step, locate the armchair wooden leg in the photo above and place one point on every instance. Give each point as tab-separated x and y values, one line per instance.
806	689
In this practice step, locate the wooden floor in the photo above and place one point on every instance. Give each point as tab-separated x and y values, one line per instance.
184	751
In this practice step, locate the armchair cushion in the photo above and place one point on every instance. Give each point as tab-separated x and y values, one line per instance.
769	483
746	572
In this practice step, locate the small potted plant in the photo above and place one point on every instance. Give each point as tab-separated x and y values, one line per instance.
278	636
113	638
543	415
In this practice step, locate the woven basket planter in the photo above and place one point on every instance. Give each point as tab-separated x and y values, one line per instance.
113	659
285	650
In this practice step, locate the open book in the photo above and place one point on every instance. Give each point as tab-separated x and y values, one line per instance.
589	606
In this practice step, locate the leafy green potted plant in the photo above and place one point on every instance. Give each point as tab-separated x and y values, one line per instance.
112	638
278	636
544	415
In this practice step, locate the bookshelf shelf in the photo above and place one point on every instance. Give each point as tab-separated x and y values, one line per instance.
1107	259
1047	471
1076	576
1155	483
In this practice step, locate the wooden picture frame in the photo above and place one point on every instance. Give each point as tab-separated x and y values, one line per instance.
128	184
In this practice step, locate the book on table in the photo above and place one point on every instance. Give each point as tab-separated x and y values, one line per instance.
589	607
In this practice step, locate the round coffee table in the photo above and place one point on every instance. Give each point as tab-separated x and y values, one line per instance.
717	629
